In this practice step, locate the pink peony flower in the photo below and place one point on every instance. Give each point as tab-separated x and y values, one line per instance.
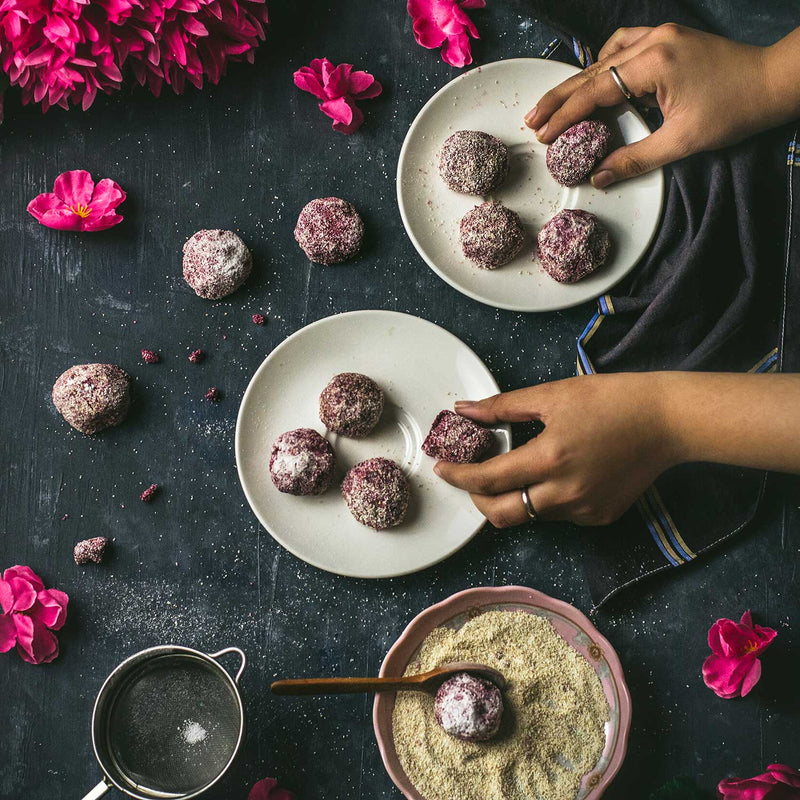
733	668
30	614
267	789
77	204
338	88
779	782
444	22
63	52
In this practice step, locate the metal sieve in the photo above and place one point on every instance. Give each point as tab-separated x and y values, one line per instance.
167	723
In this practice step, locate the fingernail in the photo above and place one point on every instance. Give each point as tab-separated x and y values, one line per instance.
541	131
530	115
463	405
602	179
437	470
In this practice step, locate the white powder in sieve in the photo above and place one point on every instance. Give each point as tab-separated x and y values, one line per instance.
193	732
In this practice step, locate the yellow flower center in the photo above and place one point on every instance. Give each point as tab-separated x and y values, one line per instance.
751	647
82	211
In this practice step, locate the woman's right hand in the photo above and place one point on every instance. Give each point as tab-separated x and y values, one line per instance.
711	91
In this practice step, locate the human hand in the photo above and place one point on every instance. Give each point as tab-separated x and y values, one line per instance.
604	442
711	91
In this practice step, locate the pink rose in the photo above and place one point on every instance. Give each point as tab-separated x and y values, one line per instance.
445	23
779	782
267	789
338	88
77	204
733	668
30	614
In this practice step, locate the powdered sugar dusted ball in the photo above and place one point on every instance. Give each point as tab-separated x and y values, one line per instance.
92	397
572	245
376	492
457	439
215	263
469	708
473	162
491	235
329	230
90	551
351	404
574	154
302	462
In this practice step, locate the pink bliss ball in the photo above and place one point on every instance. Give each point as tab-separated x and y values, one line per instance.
469	708
572	245
574	154
302	462
329	230
377	493
457	439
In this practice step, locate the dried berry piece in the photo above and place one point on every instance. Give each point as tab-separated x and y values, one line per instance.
213	394
90	550
150	357
197	356
149	493
259	319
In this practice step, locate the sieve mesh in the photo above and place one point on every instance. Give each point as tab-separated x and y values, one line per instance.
173	726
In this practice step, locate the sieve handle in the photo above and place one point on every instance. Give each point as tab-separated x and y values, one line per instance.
216	656
98	791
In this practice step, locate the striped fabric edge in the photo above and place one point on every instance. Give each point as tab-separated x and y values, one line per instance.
793	158
581	52
665	533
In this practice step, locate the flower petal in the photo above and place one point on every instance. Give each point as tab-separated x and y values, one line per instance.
50	608
35	644
784	774
363	86
74	187
339	110
751	677
62	219
8	633
107	196
309	81
22	592
457	51
27	573
267	789
103	223
43	203
724	676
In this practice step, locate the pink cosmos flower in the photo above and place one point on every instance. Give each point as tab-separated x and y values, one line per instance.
779	782
77	204
733	668
30	614
338	88
444	22
268	790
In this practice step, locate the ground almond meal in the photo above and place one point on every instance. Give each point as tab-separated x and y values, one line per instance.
553	729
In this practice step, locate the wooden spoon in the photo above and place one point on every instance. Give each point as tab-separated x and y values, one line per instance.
425	682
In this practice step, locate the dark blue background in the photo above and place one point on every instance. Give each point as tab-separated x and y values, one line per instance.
194	567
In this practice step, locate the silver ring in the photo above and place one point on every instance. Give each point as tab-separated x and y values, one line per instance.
621	84
529	506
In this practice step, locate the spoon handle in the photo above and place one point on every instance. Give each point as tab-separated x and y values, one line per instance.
342	685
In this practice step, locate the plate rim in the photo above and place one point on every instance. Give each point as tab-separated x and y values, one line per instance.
441	612
238	436
451	281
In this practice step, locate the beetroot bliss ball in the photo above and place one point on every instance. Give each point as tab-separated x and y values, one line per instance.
572	245
92	397
302	462
376	492
215	263
329	230
457	439
469	708
574	154
351	404
491	235
473	162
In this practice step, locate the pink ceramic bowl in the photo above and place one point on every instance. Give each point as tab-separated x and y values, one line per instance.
570	623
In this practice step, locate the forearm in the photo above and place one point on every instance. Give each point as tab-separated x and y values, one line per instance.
741	419
782	66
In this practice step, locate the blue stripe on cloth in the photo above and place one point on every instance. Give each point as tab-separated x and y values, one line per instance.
669	530
656	537
769	363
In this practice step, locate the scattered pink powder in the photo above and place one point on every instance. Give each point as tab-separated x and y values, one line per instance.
213	394
150	357
197	356
259	319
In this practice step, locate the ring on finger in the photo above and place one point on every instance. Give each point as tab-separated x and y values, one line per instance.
621	85
529	506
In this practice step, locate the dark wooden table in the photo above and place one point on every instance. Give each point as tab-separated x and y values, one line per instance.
194	567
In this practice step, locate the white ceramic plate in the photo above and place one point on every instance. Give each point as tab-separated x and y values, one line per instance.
422	369
495	98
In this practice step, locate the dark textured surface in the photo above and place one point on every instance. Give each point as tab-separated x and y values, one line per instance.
193	567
